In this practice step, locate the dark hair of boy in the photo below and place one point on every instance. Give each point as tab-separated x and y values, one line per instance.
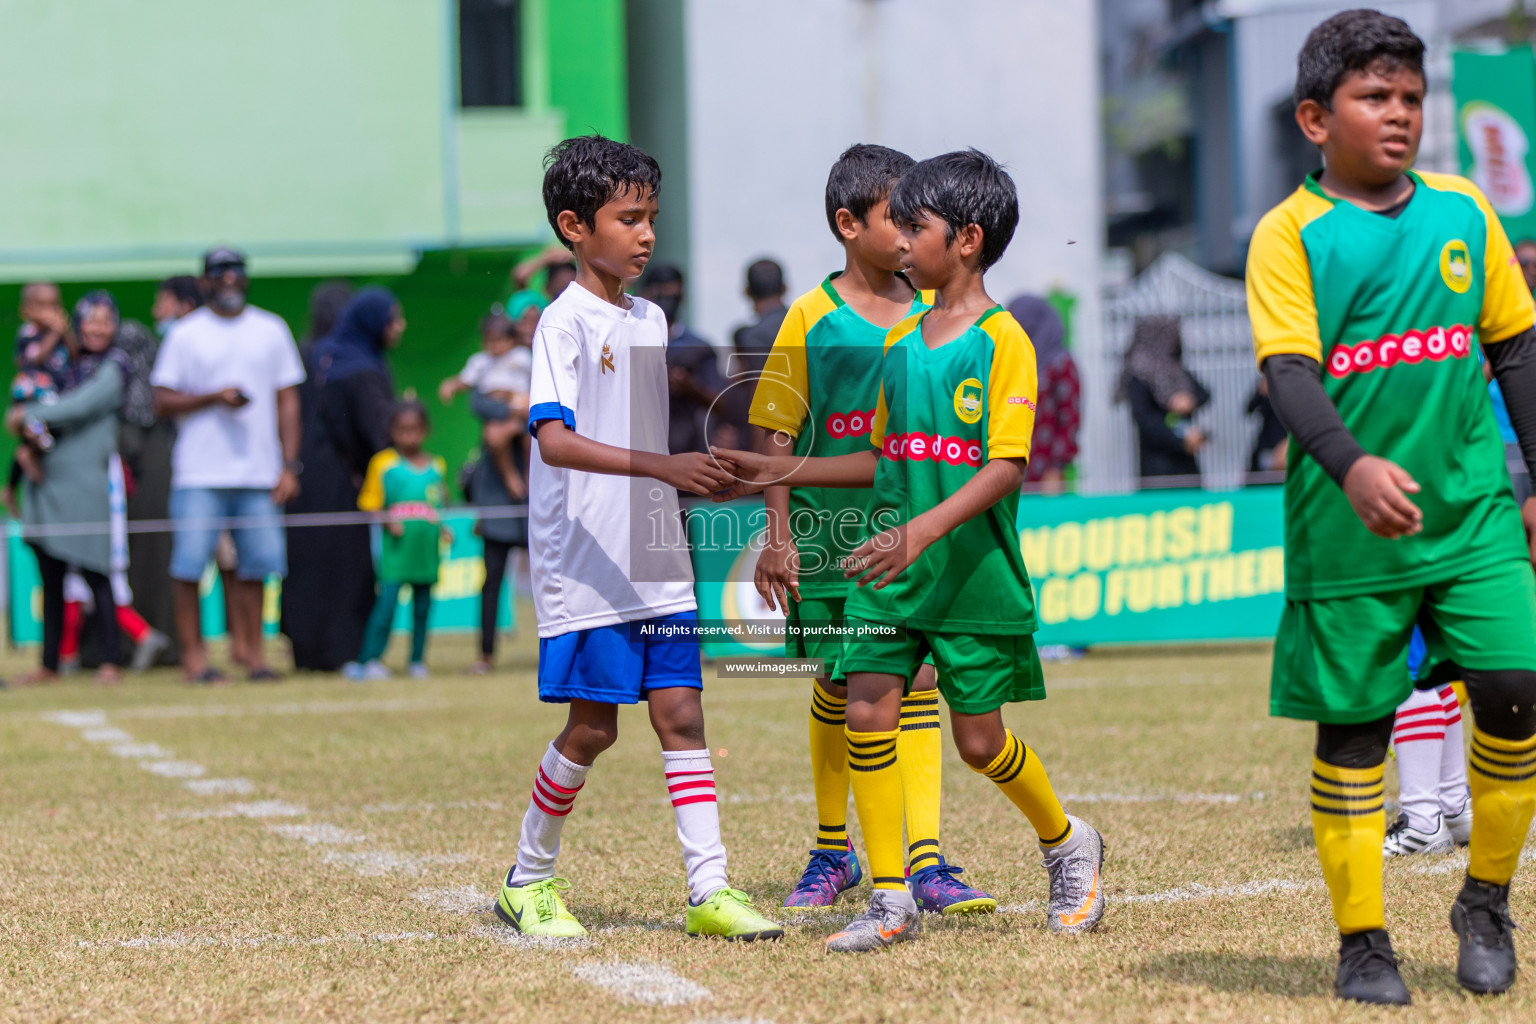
1350	42
961	188
765	280
862	176
183	288
410	407
587	172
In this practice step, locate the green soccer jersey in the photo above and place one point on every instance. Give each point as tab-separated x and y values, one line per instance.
820	386
1390	309
942	413
411	495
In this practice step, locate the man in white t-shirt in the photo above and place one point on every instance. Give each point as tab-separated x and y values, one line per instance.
230	373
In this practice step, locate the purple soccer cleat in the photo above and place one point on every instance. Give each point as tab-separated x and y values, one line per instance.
938	891
829	874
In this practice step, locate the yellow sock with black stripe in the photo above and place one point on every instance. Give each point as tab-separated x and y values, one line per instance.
829	768
1019	774
919	754
1349	822
1502	776
876	783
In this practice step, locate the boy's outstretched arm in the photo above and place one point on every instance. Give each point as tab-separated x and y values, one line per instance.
1377	488
1513	362
884	557
755	472
694	472
777	575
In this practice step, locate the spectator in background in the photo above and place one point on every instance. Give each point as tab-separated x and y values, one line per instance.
1163	396
1272	443
555	261
74	489
765	290
230	372
1059	405
45	345
693	368
1525	252
330	589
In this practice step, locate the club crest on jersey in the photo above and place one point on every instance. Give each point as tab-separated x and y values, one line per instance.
1456	266
968	400
1433	345
607	358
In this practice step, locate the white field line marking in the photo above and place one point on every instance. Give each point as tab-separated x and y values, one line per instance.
1194	891
77	719
174	769
650	984
219	787
313	707
316	835
504	936
142	751
1455	863
376	863
106	734
458	899
254	809
1158	798
1119	682
179	940
447	805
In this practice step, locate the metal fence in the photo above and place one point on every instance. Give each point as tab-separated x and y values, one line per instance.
1218	349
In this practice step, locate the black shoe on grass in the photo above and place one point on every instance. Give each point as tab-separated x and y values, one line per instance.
1485	963
1368	970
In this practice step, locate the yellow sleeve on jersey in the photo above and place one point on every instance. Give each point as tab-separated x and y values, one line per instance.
1012	389
895	334
1281	305
782	398
1507	305
371	497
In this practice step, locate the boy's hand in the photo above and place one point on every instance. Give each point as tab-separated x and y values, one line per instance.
696	473
752	473
1378	491
777	575
884	557
396	528
1528	517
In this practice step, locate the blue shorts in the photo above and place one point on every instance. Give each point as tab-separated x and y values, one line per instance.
622	663
262	546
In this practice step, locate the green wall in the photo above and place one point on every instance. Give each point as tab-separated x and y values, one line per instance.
443	300
587	68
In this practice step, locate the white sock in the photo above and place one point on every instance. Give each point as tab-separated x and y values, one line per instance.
1067	846
1418	736
554	791
1454	792
691	785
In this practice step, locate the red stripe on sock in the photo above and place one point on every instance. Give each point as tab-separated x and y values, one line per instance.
556	786
697	798
547	809
701	771
564	803
1419	736
698	784
1434	709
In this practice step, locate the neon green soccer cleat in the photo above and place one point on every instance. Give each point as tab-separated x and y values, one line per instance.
536	909
729	912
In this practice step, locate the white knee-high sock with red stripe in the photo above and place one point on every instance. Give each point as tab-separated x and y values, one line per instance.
691	785
554	792
1454	791
1418	736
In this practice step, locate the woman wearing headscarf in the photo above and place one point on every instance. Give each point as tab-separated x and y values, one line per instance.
1058	406
1163	396
330	587
83	425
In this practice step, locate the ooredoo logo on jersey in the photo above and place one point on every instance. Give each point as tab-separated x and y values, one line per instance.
1435	344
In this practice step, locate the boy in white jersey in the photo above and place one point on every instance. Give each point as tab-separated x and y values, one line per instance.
613	585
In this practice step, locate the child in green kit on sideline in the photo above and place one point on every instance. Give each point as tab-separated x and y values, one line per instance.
405	484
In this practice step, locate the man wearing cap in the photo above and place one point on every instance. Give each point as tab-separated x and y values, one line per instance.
229	372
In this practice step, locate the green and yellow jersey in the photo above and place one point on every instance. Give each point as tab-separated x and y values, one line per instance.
1390	309
411	495
941	414
820	386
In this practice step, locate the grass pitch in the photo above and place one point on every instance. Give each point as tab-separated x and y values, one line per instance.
318	850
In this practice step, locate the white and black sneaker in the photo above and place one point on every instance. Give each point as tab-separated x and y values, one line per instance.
1404	840
1460	824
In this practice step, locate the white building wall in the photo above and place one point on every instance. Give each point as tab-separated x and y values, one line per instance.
776	91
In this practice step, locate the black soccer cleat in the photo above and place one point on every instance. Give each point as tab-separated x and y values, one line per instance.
1485	962
1368	970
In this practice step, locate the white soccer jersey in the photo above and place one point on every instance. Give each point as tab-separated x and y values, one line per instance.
604	549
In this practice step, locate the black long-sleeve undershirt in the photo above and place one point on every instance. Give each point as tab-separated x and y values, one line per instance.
1309	415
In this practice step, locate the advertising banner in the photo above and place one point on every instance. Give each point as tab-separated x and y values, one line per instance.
455	598
1154	567
1495	122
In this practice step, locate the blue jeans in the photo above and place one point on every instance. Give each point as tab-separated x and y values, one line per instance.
261	545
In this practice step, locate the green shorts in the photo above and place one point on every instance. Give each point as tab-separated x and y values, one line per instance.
1344	660
814	629
977	674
